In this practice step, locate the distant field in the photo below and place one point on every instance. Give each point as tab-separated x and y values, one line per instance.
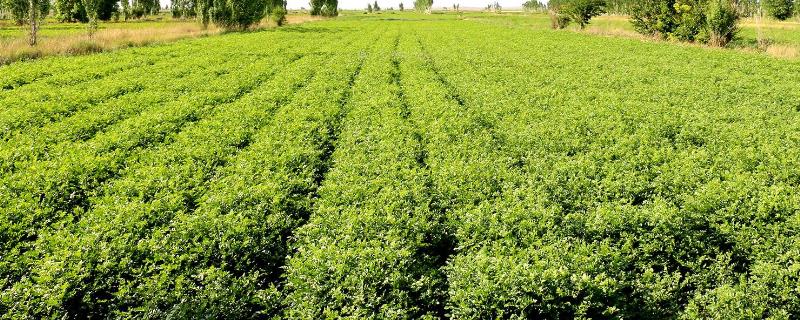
402	166
72	39
783	36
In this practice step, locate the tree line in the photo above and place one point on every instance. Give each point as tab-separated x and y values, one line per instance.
713	22
228	14
778	9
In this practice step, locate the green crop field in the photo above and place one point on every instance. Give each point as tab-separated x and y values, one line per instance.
401	166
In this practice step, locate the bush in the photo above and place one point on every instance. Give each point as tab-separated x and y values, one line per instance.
562	12
654	17
721	19
779	9
328	8
707	21
557	19
276	10
70	11
690	21
237	14
581	11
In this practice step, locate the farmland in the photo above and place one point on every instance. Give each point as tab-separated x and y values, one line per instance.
401	166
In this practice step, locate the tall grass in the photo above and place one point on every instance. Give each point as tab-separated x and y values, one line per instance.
114	36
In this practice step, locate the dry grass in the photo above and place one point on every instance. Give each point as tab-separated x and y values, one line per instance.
112	38
103	40
783	51
295	19
605	26
614	32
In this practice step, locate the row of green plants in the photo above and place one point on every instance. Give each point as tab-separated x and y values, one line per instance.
197	225
618	194
59	97
49	180
366	251
389	169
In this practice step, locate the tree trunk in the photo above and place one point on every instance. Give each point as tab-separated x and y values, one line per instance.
32	19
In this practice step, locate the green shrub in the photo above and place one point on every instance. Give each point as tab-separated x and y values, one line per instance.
706	21
581	11
70	11
328	8
562	12
779	9
237	14
654	17
557	20
276	10
721	19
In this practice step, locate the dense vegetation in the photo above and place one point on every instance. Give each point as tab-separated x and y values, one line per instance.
386	168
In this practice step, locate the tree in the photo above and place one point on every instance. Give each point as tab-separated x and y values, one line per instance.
37	9
125	10
708	21
495	7
654	17
558	20
183	8
92	8
423	5
376	7
70	11
276	11
721	22
204	9
106	9
237	14
584	10
779	9
17	8
141	8
369	7
401	6
328	8
533	6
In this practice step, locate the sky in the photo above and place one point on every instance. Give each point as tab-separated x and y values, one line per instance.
361	4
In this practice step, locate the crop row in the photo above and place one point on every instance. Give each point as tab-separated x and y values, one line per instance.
42	103
390	169
621	194
174	84
40	142
52	189
42	73
365	251
167	198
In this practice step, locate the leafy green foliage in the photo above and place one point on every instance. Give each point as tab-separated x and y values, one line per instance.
534	6
779	9
327	8
19	9
579	11
709	21
276	10
70	11
423	5
721	22
237	14
389	169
